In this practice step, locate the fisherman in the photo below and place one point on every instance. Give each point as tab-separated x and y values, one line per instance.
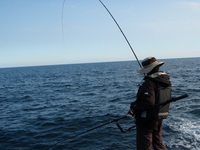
155	89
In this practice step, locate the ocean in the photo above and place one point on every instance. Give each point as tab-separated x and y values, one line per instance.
42	107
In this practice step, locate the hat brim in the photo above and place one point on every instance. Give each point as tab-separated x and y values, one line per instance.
147	69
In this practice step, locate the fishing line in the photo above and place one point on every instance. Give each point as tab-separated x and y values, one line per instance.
62	22
122	33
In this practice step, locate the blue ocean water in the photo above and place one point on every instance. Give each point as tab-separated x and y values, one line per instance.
41	107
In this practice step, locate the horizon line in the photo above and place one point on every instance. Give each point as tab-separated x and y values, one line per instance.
43	65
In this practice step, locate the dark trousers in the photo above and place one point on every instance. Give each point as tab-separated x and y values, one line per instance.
147	139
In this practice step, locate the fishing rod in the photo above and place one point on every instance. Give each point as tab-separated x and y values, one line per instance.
122	33
115	120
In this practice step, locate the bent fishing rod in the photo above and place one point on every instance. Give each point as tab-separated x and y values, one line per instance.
115	120
174	99
121	32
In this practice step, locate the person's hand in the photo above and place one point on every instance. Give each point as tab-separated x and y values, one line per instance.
131	114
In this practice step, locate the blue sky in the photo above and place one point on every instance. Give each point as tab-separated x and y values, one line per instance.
31	31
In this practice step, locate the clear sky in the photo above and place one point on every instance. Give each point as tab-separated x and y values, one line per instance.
31	31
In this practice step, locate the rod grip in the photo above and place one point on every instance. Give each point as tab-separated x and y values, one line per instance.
179	97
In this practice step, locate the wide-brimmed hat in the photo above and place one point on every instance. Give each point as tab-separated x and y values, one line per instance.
148	64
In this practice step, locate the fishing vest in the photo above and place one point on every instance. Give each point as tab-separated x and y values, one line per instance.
163	94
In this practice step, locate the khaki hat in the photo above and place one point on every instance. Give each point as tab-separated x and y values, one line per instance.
149	64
